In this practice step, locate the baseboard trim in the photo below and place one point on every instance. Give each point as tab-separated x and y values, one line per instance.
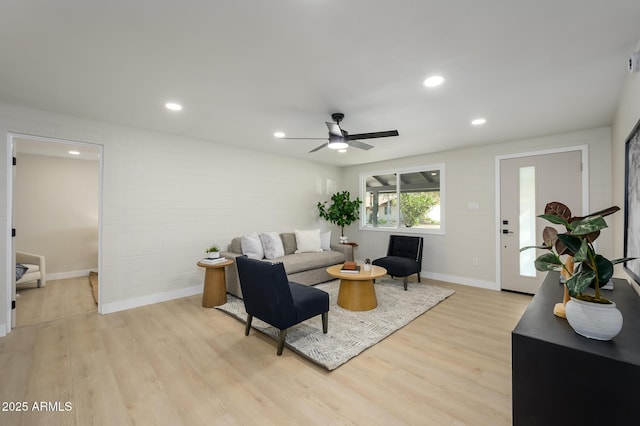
462	280
69	274
108	308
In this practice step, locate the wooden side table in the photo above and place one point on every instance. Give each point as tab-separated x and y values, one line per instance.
215	287
353	249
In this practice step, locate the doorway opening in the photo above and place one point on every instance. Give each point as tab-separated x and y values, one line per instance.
55	194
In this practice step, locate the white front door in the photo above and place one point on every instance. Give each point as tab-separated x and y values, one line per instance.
527	184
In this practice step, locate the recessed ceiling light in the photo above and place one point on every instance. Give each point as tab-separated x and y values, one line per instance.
478	121
74	153
279	134
433	81
172	106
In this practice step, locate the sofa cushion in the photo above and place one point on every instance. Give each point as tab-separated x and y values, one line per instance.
31	267
272	245
236	245
325	240
289	242
252	246
299	262
308	241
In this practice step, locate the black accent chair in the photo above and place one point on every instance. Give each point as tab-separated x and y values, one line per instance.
271	297
404	257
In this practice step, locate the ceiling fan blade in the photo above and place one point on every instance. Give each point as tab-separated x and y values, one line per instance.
334	129
373	135
318	148
361	145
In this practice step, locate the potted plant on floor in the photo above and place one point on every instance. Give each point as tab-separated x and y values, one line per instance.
342	212
590	315
213	252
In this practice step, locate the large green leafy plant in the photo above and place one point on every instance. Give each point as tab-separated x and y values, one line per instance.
591	269
342	212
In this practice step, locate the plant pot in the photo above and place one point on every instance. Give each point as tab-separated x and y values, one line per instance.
213	254
594	320
342	239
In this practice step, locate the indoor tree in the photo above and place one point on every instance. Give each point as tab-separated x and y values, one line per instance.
342	212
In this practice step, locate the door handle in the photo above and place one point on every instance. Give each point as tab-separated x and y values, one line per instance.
506	231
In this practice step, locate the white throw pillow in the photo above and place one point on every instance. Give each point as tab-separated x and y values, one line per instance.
272	245
252	246
308	241
325	241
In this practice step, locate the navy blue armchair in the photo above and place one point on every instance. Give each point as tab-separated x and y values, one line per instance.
404	257
269	296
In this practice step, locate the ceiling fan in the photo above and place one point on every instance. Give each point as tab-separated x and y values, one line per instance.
341	139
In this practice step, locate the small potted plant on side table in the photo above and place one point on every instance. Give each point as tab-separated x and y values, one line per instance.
592	316
213	252
367	265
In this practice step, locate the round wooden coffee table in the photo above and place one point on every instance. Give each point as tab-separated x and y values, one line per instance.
215	287
356	290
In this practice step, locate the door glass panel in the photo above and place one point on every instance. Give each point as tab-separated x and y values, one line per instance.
527	220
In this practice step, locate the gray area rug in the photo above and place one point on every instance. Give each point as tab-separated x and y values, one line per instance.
349	332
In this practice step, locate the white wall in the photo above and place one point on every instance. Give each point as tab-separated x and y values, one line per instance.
56	212
470	177
166	198
627	116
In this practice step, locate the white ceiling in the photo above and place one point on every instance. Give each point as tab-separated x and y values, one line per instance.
60	149
245	69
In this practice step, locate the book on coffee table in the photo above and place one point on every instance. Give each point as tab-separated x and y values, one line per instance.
350	268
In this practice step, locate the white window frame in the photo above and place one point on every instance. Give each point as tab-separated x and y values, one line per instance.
424	168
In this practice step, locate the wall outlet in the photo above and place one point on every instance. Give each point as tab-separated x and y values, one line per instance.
474	261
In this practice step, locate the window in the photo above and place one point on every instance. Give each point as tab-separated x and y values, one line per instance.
404	199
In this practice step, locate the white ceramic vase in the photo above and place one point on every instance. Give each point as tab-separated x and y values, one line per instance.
213	254
342	239
594	320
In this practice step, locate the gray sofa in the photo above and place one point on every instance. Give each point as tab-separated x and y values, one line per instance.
303	268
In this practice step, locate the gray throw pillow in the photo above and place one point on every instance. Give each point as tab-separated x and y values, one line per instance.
325	241
20	270
252	246
272	245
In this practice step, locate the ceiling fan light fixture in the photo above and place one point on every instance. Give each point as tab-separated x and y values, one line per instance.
342	151
338	144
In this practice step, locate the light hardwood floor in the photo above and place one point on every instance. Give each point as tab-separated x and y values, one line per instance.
176	363
56	300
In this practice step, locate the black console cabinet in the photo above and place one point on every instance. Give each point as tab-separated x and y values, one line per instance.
562	378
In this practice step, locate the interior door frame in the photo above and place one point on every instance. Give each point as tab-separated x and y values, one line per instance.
10	258
584	150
